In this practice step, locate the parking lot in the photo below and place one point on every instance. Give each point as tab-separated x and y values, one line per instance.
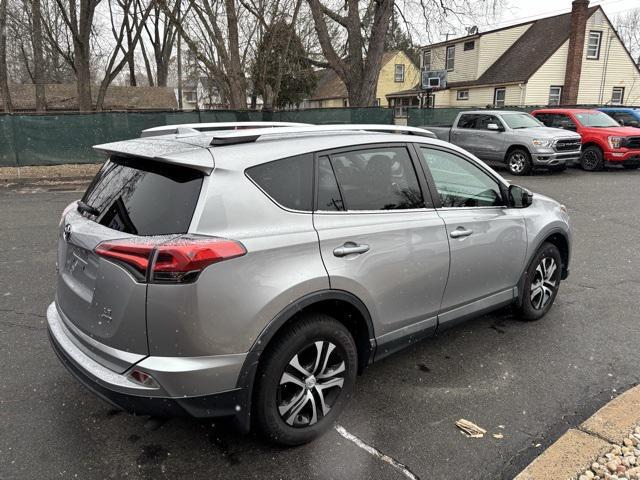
526	381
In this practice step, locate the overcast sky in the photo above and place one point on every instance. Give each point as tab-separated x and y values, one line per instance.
523	10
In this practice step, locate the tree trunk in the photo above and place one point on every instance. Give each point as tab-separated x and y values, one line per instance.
237	81
4	81
38	62
83	80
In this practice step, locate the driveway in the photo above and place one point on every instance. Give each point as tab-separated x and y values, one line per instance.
527	381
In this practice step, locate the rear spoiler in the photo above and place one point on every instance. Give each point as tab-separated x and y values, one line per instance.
162	150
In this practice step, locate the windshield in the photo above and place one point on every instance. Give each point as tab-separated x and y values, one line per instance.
520	120
596	119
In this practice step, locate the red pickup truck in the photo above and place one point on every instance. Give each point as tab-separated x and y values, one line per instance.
604	141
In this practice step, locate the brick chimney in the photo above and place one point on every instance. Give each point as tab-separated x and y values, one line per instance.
579	12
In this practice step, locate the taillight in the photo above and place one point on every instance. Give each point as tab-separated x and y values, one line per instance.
134	256
179	260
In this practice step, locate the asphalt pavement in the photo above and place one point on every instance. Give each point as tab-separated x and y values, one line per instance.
527	381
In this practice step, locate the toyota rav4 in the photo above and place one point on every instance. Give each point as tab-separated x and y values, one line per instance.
255	273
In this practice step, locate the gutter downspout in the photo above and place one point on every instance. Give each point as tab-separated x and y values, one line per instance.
522	87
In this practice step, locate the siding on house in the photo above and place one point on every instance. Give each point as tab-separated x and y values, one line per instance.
386	78
550	74
464	65
493	45
614	68
480	97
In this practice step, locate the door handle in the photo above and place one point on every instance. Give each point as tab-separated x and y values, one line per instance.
350	247
460	232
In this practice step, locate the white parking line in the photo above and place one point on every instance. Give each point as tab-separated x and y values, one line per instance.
377	453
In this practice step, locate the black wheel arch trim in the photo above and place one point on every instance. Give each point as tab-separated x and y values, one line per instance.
250	366
565	267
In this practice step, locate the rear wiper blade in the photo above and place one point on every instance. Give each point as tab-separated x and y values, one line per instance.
86	208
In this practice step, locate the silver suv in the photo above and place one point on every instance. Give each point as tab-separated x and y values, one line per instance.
254	273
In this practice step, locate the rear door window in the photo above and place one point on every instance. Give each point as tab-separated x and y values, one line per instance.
377	179
468	121
289	182
143	197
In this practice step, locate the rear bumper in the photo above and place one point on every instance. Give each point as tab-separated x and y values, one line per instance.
120	391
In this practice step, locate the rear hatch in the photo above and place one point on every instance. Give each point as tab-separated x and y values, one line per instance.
101	301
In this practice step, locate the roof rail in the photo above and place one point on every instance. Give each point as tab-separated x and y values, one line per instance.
248	136
213	126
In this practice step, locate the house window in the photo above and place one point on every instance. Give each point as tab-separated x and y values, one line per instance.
593	46
345	102
469	45
462	95
451	57
376	102
499	97
399	73
554	96
426	60
191	96
617	96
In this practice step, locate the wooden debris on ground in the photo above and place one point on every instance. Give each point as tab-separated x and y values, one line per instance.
470	429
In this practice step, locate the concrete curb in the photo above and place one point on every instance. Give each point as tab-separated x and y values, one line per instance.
574	451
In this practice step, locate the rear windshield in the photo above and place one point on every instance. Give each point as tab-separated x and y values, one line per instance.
143	197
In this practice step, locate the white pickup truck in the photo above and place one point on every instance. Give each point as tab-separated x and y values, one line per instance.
513	138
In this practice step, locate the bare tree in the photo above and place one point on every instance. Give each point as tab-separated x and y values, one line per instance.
38	61
122	53
212	33
628	27
365	25
4	81
161	33
79	20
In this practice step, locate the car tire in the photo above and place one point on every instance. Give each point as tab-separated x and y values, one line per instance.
293	403
541	283
592	159
519	162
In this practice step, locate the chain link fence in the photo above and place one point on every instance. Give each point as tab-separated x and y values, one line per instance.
53	139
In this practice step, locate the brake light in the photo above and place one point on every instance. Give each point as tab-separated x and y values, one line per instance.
178	260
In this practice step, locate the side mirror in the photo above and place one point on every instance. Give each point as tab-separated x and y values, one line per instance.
494	127
519	197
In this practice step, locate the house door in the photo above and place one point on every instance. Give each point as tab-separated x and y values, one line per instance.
499	97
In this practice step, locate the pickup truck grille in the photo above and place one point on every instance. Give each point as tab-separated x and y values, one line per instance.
633	142
568	144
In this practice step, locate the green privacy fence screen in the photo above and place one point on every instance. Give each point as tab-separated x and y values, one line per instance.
67	138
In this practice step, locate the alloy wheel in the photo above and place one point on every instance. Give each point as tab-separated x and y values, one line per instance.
311	384
589	160
544	283
517	162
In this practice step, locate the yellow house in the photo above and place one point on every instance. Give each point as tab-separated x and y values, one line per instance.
575	58
397	73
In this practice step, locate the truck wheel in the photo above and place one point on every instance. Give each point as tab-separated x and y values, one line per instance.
519	162
305	380
592	159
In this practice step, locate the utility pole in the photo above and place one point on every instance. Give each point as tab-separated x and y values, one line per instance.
179	59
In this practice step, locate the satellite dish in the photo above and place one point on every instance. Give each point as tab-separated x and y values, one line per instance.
472	30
